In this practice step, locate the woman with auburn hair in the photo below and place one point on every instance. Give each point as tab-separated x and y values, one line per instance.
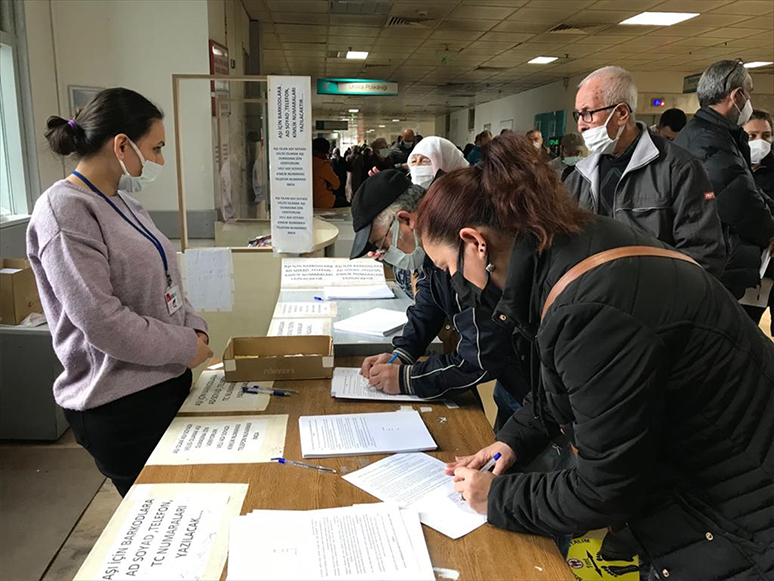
662	383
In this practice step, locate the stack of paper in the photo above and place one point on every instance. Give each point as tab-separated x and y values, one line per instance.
371	541
378	322
377	291
347	383
417	482
212	393
353	434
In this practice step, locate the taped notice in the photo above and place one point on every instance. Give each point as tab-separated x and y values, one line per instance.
166	531
212	393
316	273
221	440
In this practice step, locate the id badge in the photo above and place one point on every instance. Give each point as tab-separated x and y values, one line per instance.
172	296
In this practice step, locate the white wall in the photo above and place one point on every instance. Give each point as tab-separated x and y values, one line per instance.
133	44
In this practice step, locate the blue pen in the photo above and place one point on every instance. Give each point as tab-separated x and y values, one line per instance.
319	299
268	390
393	358
303	465
489	465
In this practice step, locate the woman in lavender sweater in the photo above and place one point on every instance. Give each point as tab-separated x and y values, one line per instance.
110	286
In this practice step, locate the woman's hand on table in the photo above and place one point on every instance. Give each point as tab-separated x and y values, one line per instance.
369	362
477	460
474	487
384	377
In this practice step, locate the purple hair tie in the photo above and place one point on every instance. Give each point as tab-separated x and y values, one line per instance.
72	124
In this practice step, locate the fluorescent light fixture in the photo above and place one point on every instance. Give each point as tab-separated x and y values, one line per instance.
354	110
542	60
345	119
756	64
660	18
357	54
381	126
396	120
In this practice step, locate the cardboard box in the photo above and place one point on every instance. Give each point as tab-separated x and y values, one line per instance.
18	291
277	358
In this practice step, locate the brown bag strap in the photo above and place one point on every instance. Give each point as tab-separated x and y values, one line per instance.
608	256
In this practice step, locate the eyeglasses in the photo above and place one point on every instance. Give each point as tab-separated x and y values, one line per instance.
731	72
380	251
588	116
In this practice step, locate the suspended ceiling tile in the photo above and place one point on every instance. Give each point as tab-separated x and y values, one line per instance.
696	41
299	48
717	19
299	18
699	6
317	6
429	10
729	33
344	43
600	40
496	46
603	16
383	43
504	37
521	27
681	30
408	32
357	20
480	12
542	15
456	35
316	39
635	6
751	7
502	3
300	29
334	31
477	25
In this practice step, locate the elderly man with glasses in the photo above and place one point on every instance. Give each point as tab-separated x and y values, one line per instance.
716	137
639	178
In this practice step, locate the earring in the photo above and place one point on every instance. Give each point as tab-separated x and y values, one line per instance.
490	268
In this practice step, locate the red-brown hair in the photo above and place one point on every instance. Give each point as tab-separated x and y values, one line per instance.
513	191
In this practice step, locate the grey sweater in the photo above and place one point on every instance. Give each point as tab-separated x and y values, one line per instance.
102	287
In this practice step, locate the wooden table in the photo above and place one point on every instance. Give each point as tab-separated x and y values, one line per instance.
486	553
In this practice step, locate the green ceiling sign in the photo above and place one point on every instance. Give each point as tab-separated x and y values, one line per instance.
362	87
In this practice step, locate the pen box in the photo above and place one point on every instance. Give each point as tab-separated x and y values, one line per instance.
278	358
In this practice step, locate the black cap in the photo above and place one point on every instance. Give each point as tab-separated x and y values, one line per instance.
373	197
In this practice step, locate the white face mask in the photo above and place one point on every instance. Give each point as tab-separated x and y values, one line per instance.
422	175
399	259
598	141
384	153
744	113
536	144
150	171
572	160
759	149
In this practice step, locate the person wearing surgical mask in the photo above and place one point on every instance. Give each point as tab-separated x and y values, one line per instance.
431	155
571	151
639	178
384	219
536	137
716	137
110	286
380	156
400	152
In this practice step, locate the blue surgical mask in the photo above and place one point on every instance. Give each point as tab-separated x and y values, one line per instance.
394	256
572	160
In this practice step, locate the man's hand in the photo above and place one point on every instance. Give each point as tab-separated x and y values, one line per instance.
373	171
203	353
384	377
477	460
369	362
474	487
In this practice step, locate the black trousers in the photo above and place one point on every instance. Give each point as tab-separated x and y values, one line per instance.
121	435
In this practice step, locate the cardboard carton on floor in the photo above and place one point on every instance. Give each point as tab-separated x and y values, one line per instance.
18	291
277	358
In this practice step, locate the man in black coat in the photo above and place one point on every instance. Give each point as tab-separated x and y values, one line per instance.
716	137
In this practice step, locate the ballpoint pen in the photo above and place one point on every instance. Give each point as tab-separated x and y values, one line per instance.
393	358
304	465
489	465
269	391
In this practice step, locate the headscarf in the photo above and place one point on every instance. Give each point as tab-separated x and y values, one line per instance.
443	154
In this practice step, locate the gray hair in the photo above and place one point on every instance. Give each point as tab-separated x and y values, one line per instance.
720	79
618	86
408	201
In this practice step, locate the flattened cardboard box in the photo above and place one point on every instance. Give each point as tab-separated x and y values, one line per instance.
18	292
277	358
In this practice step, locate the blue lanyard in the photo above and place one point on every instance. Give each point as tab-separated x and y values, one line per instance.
141	228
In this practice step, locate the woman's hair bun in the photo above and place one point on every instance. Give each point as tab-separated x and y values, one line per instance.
62	136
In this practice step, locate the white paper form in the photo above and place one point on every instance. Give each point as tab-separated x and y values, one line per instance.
299	327
347	383
300	310
166	531
417	482
378	291
10	270
353	434
351	543
376	322
316	273
212	393
209	279
221	440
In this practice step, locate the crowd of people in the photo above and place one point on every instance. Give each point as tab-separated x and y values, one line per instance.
599	289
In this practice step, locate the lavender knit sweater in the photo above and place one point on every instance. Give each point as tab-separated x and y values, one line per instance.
102	287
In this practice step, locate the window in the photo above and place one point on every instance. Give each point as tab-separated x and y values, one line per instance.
18	159
13	186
